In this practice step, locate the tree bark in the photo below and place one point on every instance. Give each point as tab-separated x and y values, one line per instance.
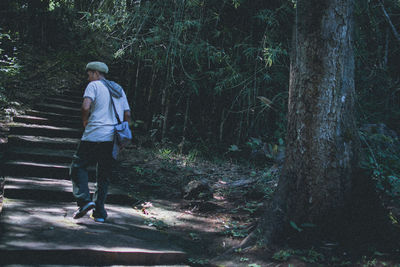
322	141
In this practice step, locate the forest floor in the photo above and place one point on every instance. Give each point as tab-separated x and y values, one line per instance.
221	206
213	214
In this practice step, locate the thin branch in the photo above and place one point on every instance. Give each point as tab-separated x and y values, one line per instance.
395	33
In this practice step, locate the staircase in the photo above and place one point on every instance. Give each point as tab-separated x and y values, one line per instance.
36	225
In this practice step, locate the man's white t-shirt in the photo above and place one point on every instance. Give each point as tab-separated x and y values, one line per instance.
100	127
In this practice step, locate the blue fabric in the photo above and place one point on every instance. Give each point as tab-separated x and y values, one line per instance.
88	154
123	136
115	88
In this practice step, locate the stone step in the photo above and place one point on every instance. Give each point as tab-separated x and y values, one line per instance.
44	130
2	183
77	124
71	97
43	142
74	93
44	189
22	168
43	155
35	232
53	116
58	109
64	101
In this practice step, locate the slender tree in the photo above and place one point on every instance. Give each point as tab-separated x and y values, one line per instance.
321	151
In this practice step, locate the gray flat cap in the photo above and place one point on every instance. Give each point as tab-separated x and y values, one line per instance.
97	65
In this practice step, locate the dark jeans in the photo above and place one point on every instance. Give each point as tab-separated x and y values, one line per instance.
92	153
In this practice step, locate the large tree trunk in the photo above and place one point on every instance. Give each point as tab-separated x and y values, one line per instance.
321	151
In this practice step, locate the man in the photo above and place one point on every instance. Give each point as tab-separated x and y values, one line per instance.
98	118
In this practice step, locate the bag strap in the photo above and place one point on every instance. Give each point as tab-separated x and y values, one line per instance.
105	82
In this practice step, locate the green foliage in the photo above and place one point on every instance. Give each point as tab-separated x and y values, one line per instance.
294	226
187	45
309	256
9	67
254	143
165	153
377	63
139	170
283	255
8	51
234	148
382	159
198	262
312	256
3	98
193	155
235	229
213	72
252	206
158	224
194	237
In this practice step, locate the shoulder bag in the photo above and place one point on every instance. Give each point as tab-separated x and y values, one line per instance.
123	135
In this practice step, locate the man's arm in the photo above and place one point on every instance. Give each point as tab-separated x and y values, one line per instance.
85	110
127	116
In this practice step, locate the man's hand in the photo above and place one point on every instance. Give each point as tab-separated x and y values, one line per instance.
128	118
85	123
85	110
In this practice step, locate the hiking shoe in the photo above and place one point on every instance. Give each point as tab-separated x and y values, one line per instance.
97	219
83	210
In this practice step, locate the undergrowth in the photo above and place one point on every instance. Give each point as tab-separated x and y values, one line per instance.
381	157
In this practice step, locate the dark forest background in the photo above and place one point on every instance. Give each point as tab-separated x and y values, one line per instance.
214	72
207	76
200	73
